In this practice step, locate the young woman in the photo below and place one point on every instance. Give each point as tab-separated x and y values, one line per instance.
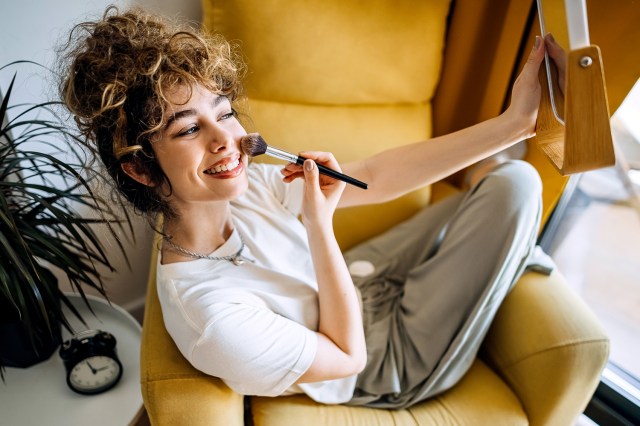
267	302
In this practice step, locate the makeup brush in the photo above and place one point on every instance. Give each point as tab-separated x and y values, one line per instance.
253	144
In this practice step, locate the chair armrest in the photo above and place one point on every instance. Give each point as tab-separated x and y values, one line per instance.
549	347
174	392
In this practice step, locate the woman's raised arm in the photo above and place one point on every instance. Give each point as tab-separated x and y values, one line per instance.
397	171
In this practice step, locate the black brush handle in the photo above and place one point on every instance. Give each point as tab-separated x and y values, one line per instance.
336	175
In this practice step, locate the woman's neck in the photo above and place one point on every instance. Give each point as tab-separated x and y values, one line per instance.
200	230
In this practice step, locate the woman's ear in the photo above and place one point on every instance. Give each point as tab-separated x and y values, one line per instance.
134	170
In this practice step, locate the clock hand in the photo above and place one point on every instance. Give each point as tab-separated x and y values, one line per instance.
93	370
102	368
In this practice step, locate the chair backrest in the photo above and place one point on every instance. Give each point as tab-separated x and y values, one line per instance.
350	77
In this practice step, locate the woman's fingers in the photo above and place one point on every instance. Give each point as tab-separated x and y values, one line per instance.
526	91
311	176
293	171
559	57
321	193
324	158
531	67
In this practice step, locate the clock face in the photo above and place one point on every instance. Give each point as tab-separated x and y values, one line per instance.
95	374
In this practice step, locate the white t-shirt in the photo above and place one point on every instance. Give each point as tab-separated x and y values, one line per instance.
251	325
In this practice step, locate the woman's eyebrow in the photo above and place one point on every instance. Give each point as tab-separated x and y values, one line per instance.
178	115
189	112
219	99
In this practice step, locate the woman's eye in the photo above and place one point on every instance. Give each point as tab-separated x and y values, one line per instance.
228	115
189	131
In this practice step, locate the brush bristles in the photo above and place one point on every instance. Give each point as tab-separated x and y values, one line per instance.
253	144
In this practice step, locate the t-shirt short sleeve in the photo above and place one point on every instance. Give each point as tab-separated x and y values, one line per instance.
269	177
254	350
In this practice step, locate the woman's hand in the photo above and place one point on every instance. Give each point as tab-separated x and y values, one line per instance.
341	348
559	57
321	193
525	95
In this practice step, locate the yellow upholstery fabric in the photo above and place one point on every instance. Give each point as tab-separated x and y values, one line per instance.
546	344
287	45
481	398
354	78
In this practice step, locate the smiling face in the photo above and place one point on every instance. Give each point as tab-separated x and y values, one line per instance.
199	149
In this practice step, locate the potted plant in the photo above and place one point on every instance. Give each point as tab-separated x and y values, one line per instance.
43	189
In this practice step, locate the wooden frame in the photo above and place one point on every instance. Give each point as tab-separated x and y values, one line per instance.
583	141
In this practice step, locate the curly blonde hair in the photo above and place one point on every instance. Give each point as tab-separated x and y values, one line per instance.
116	72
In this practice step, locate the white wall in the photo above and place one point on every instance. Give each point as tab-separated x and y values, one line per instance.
30	29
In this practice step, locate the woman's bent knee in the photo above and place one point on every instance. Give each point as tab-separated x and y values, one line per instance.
515	185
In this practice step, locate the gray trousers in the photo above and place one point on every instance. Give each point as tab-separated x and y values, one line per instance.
439	279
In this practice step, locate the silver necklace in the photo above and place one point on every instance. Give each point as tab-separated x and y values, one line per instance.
236	258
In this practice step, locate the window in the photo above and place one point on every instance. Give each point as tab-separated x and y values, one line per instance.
594	237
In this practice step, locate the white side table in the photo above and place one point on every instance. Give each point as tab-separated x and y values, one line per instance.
39	395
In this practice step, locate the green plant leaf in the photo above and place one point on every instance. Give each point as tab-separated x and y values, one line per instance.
43	185
5	103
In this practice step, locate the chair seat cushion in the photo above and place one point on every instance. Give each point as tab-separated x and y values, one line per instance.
481	398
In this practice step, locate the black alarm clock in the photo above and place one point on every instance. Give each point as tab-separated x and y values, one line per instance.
91	361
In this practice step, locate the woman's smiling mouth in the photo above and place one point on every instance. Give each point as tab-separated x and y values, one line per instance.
225	170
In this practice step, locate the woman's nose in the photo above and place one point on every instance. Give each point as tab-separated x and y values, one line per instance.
220	139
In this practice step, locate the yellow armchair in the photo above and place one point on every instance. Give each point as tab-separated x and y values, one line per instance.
355	78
